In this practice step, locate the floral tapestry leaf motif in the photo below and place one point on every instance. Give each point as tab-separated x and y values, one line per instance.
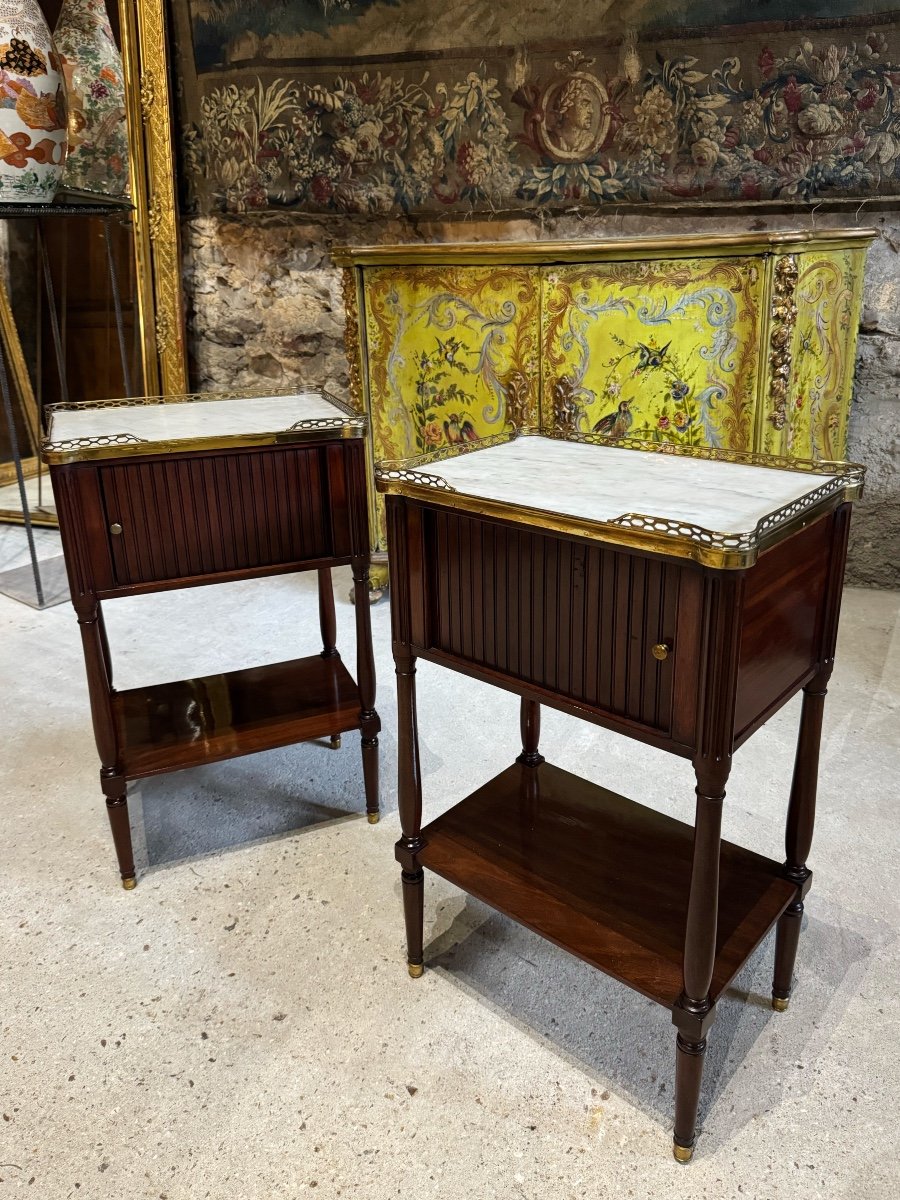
789	117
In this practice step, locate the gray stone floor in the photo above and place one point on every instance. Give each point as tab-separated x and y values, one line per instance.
242	1025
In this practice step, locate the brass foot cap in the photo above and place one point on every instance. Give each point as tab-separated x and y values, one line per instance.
335	741
373	818
683	1154
779	1005
416	970
129	884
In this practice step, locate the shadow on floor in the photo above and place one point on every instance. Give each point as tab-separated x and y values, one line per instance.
226	805
628	1042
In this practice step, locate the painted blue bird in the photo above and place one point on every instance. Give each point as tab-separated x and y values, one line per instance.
650	357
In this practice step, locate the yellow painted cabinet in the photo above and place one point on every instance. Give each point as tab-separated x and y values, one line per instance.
741	342
665	350
452	355
823	349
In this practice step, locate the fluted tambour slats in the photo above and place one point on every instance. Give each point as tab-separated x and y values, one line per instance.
214	513
586	617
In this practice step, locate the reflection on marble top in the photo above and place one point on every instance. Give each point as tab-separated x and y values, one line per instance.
600	483
189	419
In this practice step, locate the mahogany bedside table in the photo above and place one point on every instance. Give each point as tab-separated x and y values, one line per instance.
179	491
530	565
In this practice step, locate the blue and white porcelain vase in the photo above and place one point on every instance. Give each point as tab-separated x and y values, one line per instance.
33	136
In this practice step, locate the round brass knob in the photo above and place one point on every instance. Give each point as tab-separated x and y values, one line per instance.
116	529
661	651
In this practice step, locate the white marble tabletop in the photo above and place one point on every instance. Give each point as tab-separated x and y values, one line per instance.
191	418
602	483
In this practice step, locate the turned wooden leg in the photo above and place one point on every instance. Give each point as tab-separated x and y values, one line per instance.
369	721
112	779
798	837
787	938
104	647
530	725
328	626
414	918
688	1077
378	584
114	788
369	746
694	1012
410	804
327	619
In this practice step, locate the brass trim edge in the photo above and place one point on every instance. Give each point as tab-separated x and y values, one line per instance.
580	251
128	445
203	398
391	465
750	458
115	445
641	531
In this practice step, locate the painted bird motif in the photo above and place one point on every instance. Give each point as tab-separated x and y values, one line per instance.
650	357
459	429
449	350
616	424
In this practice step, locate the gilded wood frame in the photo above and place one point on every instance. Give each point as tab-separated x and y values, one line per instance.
145	54
21	391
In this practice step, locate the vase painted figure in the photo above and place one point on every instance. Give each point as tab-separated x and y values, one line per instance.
32	106
92	67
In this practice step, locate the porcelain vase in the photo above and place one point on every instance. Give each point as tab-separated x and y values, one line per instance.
92	67
33	135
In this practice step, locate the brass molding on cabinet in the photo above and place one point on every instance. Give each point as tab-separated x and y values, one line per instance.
661	651
116	529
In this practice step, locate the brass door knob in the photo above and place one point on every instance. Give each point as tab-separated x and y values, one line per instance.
116	529
661	651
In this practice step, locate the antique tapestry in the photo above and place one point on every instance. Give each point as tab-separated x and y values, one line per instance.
364	106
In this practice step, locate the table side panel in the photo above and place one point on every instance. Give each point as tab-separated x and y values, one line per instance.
84	532
572	617
782	621
348	493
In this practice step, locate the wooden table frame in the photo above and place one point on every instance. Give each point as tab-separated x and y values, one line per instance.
701	658
133	523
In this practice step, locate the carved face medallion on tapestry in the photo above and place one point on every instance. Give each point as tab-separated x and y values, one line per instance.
574	118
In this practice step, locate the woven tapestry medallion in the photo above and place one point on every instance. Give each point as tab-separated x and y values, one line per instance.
364	106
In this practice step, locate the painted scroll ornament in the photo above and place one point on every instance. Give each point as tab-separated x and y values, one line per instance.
92	67
32	106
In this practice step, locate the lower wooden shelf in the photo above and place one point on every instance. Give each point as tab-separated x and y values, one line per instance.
168	726
601	876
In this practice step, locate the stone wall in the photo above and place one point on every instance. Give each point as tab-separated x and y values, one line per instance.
264	308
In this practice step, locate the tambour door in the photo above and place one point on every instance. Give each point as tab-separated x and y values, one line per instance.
577	618
666	350
208	514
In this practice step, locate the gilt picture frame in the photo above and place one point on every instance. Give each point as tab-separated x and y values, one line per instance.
147	62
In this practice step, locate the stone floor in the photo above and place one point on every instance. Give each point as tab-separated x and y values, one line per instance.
242	1025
